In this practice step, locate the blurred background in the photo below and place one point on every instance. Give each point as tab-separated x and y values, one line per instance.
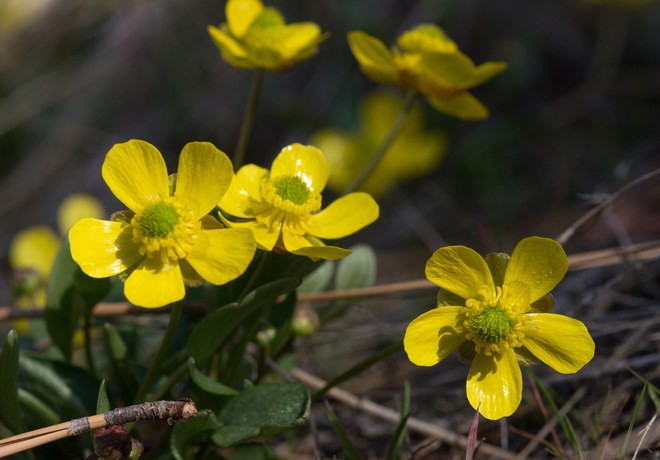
575	117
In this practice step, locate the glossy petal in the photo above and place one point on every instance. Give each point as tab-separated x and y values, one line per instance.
496	383
375	60
135	172
323	252
459	270
103	248
241	14
153	285
293	242
463	106
76	207
243	196
432	336
34	248
265	236
203	177
540	263
220	256
344	216
304	161
450	70
232	51
561	342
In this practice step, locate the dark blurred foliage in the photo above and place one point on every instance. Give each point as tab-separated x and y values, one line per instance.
576	114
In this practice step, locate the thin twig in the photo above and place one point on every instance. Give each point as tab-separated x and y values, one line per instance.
384	413
566	234
159	410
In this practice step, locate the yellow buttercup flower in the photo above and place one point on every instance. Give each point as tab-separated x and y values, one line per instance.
167	239
427	61
413	153
283	206
495	312
256	36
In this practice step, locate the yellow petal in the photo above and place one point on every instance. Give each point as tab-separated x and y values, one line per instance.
496	383
323	252
243	196
448	70
232	51
344	216
486	71
375	60
220	256
153	285
76	207
241	14
34	248
432	336
299	40
463	106
540	263
203	177
561	342
304	161
459	270
265	236
135	172
103	248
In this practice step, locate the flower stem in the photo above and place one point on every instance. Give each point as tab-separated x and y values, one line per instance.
175	316
87	338
387	143
248	119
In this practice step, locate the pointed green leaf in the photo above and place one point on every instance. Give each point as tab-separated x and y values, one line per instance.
206	383
319	279
228	436
358	270
215	329
10	411
186	433
102	401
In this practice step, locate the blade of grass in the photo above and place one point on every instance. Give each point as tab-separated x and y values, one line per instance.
351	452
631	425
397	440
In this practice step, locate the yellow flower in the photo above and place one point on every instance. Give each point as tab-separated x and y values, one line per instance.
283	205
495	312
255	36
413	153
427	61
166	239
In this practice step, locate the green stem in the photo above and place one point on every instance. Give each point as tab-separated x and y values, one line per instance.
387	143
175	316
255	275
87	326
248	119
177	375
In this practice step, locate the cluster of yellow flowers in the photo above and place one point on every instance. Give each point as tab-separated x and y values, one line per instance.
493	310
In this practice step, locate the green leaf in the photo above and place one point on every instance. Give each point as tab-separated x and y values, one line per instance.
102	401
280	318
253	452
228	436
357	270
118	352
10	411
185	433
270	408
349	448
38	412
206	383
319	279
70	295
212	332
69	389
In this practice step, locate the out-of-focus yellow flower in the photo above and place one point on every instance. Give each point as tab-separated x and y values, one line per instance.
495	312
255	36
166	239
413	153
427	61
15	14
283	205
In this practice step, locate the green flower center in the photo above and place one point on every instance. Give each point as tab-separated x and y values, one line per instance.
293	189
492	325
158	220
268	18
